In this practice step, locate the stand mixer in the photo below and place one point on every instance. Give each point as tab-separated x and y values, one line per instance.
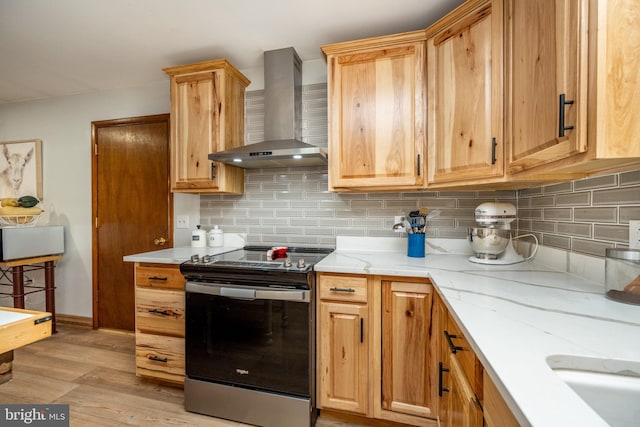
492	242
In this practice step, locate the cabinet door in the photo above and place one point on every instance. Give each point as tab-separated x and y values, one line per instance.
546	60
376	118
205	119
343	359
464	409
465	103
406	348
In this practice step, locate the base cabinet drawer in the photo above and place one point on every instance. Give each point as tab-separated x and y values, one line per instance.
160	357
160	312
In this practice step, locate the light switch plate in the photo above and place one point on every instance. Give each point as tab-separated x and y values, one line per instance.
182	221
634	234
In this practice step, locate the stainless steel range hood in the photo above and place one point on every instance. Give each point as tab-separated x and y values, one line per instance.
282	129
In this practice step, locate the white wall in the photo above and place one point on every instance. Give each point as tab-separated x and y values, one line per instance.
64	126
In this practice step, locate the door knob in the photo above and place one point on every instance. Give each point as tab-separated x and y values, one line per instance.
160	242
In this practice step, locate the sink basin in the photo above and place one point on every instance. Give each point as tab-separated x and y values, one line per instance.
610	387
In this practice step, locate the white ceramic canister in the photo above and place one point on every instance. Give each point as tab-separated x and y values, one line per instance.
216	237
198	238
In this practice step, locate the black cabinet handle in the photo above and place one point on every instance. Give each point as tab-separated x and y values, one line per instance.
454	348
361	330
441	370
156	311
418	164
342	290
158	359
494	143
561	126
213	171
157	278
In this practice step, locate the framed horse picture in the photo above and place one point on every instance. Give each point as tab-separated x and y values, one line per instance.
21	168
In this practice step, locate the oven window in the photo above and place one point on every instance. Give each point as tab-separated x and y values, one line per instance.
260	344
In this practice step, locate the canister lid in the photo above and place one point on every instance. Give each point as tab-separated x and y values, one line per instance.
625	254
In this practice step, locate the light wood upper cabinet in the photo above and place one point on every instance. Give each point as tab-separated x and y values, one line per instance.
583	49
376	113
207	116
547	64
465	95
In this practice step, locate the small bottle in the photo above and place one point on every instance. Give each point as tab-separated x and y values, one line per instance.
198	238
216	237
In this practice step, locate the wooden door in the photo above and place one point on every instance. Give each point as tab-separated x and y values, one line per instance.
406	345
376	115
464	408
547	58
132	209
465	105
343	357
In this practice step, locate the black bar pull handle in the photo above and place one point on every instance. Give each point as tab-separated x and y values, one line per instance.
441	370
561	126
494	143
454	348
213	171
342	290
418	164
361	330
157	278
158	359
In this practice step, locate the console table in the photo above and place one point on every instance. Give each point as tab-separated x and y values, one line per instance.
14	271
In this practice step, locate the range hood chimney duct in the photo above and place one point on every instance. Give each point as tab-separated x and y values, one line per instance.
283	120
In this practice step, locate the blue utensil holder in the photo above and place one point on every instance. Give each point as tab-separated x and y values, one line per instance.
415	246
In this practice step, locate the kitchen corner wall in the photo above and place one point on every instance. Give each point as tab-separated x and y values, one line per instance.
294	206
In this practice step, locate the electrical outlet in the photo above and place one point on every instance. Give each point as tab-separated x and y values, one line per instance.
634	234
182	221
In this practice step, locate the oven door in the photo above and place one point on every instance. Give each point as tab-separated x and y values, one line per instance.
251	337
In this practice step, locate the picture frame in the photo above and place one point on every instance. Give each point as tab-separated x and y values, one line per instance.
21	168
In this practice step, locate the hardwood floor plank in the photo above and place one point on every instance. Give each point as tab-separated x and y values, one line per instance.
114	381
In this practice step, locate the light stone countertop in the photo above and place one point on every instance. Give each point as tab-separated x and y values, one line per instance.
518	318
181	254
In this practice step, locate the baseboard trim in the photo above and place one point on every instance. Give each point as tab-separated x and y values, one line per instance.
68	319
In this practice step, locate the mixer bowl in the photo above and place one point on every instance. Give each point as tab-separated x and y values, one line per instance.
488	242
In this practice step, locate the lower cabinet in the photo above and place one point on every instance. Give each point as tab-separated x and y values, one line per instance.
160	304
375	355
468	397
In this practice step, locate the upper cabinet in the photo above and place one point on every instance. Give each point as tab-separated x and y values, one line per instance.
547	71
207	116
465	95
377	113
572	87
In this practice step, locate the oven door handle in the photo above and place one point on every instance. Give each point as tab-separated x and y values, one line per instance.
249	294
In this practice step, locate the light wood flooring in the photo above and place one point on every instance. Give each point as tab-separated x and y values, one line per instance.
94	372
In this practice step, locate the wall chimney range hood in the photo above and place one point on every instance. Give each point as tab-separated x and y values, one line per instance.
282	129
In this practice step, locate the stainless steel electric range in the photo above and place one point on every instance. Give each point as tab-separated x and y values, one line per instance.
250	341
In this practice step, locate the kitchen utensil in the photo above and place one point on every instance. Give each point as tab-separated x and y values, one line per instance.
622	275
407	226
